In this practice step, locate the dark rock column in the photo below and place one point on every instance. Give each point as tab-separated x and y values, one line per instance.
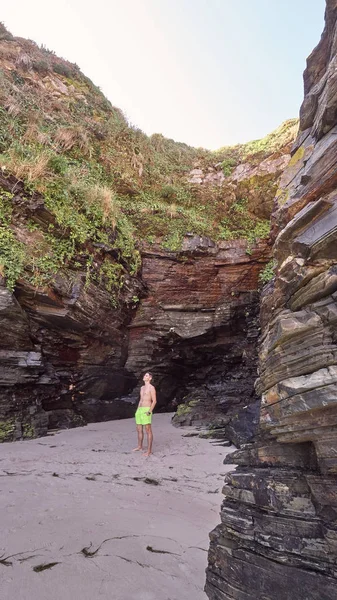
21	364
278	532
62	358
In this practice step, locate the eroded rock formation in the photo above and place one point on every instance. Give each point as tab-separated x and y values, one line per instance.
69	357
63	346
106	243
278	535
198	327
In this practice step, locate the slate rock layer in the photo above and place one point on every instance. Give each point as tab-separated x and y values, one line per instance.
278	534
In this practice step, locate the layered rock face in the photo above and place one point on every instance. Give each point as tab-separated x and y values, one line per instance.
217	380
278	536
106	243
69	357
63	346
197	327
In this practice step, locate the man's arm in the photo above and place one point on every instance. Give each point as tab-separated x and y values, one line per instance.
153	398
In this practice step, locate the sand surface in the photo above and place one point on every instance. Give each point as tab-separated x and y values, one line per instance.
82	500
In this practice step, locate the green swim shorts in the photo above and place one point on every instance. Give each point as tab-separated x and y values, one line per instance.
141	416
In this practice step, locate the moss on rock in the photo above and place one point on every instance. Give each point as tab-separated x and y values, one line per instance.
7	429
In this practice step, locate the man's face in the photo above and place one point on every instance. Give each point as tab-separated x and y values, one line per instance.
147	378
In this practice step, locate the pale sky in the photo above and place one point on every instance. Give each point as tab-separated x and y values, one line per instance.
206	72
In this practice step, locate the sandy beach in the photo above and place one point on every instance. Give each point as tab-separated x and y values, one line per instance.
81	516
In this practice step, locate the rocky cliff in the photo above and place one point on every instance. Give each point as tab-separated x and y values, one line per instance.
69	356
278	537
121	252
198	328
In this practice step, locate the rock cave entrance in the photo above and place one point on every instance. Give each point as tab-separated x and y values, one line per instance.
209	378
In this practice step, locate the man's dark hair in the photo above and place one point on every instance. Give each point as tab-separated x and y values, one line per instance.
149	373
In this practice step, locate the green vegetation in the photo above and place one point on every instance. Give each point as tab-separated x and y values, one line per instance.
186	408
12	252
108	186
257	150
239	224
183	409
268	272
228	165
62	69
7	429
28	431
4	34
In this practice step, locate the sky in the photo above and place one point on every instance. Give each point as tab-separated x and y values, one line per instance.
208	73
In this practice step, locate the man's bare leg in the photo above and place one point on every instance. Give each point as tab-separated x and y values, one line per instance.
140	438
149	435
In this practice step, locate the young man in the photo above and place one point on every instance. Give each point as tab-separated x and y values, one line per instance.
144	412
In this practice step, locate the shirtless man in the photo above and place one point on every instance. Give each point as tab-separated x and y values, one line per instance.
144	412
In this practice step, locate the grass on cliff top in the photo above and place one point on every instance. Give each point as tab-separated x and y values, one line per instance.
257	150
105	182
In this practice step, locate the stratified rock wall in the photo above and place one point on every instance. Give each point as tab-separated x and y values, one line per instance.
197	328
63	346
105	242
278	534
62	358
68	356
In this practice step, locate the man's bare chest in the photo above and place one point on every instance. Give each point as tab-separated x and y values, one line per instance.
145	395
